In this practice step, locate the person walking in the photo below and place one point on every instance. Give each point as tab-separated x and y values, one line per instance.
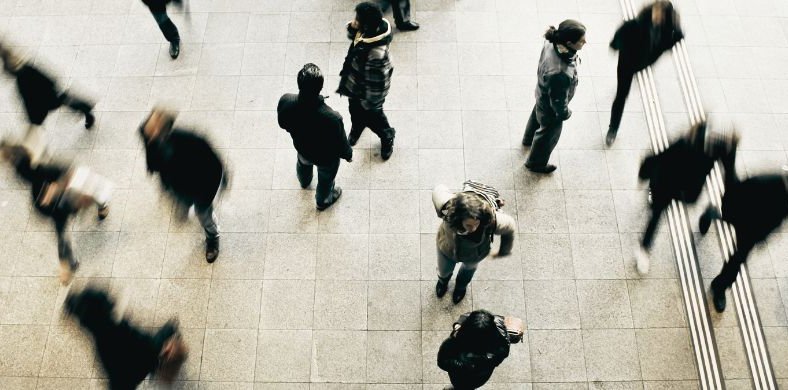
366	76
401	11
556	82
158	8
679	173
755	207
640	42
189	169
470	220
477	345
318	135
39	91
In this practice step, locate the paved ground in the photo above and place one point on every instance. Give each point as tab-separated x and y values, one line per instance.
344	299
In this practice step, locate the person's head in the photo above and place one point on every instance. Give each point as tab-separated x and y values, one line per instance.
467	212
11	61
479	331
93	307
158	125
369	16
570	33
661	12
18	155
310	80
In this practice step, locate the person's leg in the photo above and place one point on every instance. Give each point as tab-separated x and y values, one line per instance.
625	76
304	171
445	270
78	104
170	32
730	270
326	192
707	218
379	124
401	11
68	264
209	223
545	140
464	277
357	120
530	128
643	262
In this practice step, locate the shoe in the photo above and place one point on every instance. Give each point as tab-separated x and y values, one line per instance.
211	249
718	297
408	26
175	49
103	212
67	271
642	261
336	194
386	148
458	295
528	142
543	169
90	120
611	136
441	288
705	219
353	137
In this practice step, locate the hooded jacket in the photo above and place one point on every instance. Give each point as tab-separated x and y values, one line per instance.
640	44
39	93
157	6
556	82
366	72
317	130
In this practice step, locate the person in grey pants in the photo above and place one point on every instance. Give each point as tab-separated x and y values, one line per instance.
401	11
556	82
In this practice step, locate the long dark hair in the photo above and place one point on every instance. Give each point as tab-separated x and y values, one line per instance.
568	31
479	332
466	205
669	16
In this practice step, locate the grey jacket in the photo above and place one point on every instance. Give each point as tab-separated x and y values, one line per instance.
459	249
556	82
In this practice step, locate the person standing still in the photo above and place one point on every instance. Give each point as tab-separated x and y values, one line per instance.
556	82
158	8
401	11
318	135
366	76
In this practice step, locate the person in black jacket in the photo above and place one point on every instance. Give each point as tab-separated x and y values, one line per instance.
318	135
640	42
127	353
401	11
679	173
188	168
366	76
755	207
478	344
39	92
556	82
158	8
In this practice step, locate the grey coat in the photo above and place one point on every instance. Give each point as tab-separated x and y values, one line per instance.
556	82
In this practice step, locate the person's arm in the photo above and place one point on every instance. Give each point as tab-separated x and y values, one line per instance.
618	38
377	74
559	94
346	151
505	226
449	358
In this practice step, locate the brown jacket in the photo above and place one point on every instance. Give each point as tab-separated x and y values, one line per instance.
459	249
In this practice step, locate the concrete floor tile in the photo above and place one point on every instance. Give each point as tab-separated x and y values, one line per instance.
291	256
23	348
140	254
657	303
611	354
299	216
339	356
597	256
505	298
439	92
228	355
542	212
226	27
341	305
351	214
69	353
221	59
394	305
482	93
242	256
441	313
733	357
590	211
777	340
584	170
184	299
484	130
558	355
552	304
393	211
441	166
342	256
394	357
234	304
394	257
268	27
141	295
185	256
287	304
665	354
284	355
604	304
401	171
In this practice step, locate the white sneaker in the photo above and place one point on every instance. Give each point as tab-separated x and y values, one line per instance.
642	260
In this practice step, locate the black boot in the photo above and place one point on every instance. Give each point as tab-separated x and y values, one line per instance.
387	147
611	135
211	249
90	119
464	278
441	287
175	49
709	215
718	297
354	135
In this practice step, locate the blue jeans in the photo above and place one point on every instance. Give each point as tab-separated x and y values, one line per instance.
324	194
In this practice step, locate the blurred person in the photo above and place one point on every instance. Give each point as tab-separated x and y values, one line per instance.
189	169
128	353
470	220
39	92
556	82
640	42
366	76
479	342
755	207
679	173
59	193
318	135
401	11
158	8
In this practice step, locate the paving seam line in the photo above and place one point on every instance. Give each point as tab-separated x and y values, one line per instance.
700	328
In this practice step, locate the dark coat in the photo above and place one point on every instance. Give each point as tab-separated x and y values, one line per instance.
157	6
187	165
317	130
556	82
637	41
756	206
39	93
472	369
366	71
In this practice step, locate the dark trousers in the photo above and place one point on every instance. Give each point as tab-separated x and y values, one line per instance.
64	251
542	132
75	103
658	206
744	244
400	9
167	27
625	75
326	174
375	119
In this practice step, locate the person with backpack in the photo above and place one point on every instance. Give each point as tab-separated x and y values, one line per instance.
755	207
640	42
471	219
479	342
